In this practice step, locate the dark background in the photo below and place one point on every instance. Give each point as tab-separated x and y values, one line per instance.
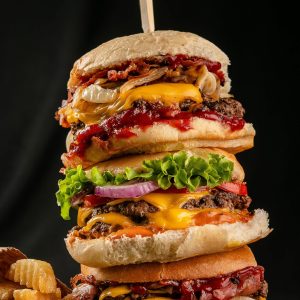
40	40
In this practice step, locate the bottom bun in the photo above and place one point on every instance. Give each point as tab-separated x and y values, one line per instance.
198	267
171	245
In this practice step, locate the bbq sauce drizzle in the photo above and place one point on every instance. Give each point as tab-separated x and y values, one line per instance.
119	125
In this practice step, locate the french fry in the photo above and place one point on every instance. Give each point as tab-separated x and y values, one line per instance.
58	293
7	289
34	274
27	294
6	295
8	255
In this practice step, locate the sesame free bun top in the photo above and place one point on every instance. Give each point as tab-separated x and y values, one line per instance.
143	45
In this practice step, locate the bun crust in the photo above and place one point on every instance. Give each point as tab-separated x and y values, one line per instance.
143	45
118	165
171	245
162	137
205	266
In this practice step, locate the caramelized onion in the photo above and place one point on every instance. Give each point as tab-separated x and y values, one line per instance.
208	83
96	94
152	75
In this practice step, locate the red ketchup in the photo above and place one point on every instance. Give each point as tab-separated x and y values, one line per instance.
120	125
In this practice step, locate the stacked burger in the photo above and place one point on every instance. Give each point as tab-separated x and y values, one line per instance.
162	206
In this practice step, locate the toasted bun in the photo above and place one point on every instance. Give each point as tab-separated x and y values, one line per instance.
162	137
143	45
205	266
118	165
170	245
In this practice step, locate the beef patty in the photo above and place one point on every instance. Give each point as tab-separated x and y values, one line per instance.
138	211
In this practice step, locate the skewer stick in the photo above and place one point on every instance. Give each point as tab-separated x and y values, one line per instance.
147	15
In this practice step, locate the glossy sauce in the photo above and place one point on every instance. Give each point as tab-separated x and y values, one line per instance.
229	285
217	216
120	124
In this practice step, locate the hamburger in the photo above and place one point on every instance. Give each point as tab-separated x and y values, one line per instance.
229	275
149	93
159	208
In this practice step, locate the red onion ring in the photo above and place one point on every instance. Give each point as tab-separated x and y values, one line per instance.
123	191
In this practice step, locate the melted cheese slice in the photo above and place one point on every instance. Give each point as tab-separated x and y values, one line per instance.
169	216
167	93
109	218
115	291
83	213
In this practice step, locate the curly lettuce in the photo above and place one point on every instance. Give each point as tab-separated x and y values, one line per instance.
179	170
74	182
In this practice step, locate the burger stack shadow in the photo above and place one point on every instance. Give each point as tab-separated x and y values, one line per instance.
163	208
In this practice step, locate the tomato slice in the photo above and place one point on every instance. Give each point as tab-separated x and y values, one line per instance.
239	188
94	200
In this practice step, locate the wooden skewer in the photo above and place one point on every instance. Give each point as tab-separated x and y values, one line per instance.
147	15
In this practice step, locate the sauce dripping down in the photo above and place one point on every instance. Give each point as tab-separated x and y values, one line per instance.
120	124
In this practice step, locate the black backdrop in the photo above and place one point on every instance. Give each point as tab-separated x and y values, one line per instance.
40	41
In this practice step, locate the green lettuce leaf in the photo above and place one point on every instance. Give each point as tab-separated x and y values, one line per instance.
179	169
74	182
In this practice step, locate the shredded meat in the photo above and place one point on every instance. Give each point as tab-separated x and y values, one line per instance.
80	278
83	291
84	288
262	292
140	66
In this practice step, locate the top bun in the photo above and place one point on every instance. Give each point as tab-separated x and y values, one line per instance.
144	45
205	266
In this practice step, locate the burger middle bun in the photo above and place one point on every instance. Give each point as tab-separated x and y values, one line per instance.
198	267
160	137
118	165
170	245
